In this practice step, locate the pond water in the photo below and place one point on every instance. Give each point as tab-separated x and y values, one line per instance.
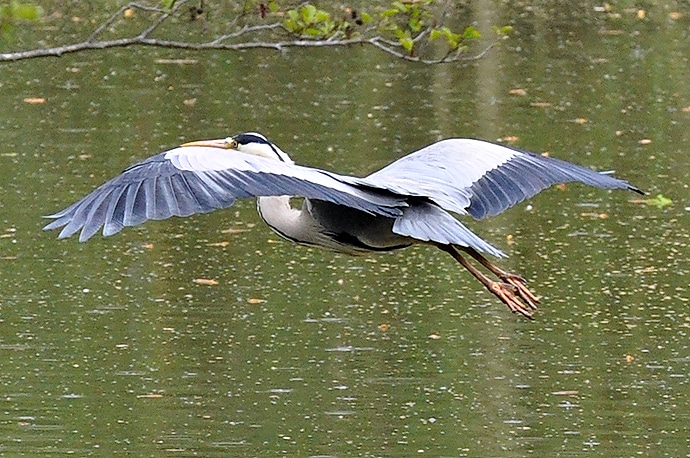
210	336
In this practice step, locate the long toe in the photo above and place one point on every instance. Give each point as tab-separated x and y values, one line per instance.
506	293
525	294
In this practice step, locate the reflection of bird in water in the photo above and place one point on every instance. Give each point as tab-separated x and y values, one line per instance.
404	203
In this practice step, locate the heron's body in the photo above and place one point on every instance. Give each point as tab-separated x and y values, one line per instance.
331	226
409	201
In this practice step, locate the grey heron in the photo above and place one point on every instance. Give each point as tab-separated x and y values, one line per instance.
410	201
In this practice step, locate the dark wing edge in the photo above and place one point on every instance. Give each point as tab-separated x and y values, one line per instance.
150	190
155	189
527	174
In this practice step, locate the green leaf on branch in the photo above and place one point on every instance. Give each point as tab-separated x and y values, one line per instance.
471	33
17	11
407	43
504	31
14	12
308	13
452	38
310	21
167	4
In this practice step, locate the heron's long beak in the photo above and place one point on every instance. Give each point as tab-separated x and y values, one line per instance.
219	143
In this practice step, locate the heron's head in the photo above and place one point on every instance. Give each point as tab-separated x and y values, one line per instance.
248	143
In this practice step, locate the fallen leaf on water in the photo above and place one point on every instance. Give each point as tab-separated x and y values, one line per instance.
205	281
629	358
540	104
565	393
255	300
384	326
646	270
434	336
177	61
221	244
34	100
644	141
660	201
517	91
511	138
595	215
233	231
611	32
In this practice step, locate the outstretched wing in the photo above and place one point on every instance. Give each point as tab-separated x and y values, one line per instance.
479	178
195	179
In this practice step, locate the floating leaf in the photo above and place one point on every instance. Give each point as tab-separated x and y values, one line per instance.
220	244
660	201
594	215
34	100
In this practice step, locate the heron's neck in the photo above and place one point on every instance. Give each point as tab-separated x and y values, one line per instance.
293	224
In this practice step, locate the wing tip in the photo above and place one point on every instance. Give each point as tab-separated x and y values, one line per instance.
636	189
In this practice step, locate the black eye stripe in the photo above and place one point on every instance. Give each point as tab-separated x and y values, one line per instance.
244	139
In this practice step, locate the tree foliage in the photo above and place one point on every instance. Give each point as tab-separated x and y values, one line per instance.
413	30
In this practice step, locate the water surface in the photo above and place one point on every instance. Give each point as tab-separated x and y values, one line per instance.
117	347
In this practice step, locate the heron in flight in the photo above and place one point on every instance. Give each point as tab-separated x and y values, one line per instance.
408	202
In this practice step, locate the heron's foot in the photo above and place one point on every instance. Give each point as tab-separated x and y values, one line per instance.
520	285
507	294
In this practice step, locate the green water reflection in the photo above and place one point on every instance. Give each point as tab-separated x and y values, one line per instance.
116	347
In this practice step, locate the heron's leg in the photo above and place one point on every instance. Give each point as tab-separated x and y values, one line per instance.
513	279
504	291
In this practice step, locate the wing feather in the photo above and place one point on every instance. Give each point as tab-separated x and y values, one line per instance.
194	179
479	178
